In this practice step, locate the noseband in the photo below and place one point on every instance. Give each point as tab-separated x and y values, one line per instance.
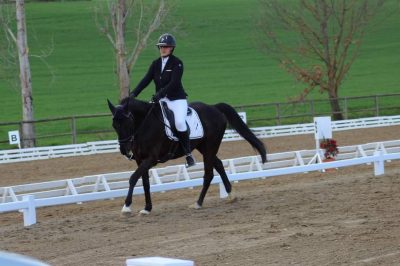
126	140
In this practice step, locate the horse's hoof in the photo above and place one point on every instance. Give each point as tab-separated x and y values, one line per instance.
195	206
231	197
126	211
144	213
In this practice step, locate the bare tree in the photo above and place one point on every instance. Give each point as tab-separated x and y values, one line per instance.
8	44
145	22
317	41
28	128
7	55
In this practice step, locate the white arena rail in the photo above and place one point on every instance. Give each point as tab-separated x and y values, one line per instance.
106	186
29	154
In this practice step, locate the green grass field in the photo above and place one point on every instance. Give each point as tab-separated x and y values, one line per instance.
216	43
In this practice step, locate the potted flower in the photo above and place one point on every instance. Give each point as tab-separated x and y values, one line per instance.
330	149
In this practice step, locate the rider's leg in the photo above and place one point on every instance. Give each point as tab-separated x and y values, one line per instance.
179	107
185	142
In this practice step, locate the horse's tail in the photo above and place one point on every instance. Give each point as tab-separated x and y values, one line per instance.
237	123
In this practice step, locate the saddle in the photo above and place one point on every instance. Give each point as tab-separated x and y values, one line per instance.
192	121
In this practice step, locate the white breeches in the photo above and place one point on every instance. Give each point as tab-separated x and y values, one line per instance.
179	108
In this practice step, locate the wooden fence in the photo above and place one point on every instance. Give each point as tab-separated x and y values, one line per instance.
95	127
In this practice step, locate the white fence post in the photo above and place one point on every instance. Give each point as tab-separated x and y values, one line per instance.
158	261
30	211
222	191
379	165
9	191
322	129
156	177
14	259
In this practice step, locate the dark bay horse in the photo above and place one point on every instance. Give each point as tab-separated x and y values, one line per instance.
141	136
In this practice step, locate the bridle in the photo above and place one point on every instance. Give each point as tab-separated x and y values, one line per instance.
126	140
131	138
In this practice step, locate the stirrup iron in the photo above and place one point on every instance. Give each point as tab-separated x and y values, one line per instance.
190	161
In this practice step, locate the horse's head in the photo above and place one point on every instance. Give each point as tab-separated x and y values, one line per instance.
124	126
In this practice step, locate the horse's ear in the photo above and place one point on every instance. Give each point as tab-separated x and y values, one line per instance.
111	106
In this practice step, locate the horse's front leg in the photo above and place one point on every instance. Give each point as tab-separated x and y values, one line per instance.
142	169
147	195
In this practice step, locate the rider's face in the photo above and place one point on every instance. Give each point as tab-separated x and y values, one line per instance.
165	50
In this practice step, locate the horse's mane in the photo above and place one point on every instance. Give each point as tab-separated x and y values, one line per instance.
135	105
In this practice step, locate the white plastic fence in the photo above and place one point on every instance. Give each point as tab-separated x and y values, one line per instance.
89	188
13	259
18	155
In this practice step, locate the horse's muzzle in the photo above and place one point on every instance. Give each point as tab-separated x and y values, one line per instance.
125	150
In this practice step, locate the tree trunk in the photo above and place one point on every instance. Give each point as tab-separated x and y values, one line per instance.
122	67
28	127
335	106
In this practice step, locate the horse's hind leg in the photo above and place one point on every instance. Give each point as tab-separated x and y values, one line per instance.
227	184
221	171
208	176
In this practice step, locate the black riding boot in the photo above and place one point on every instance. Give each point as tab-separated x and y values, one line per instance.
185	142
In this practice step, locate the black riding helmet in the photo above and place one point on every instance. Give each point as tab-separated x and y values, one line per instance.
166	40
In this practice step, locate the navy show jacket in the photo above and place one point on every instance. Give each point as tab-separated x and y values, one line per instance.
168	82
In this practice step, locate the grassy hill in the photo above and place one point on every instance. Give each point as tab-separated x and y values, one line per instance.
216	43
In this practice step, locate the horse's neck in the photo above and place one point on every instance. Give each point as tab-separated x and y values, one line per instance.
139	108
140	111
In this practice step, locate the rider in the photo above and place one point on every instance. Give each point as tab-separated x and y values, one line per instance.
166	72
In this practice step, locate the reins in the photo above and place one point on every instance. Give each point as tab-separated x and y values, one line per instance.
162	120
132	137
144	120
158	117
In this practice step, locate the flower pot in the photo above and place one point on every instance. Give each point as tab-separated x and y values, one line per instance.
329	160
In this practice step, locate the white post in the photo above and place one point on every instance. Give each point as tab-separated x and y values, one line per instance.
158	261
30	211
156	177
379	166
322	130
222	191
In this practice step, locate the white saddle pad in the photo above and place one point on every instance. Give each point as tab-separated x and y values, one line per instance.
193	120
